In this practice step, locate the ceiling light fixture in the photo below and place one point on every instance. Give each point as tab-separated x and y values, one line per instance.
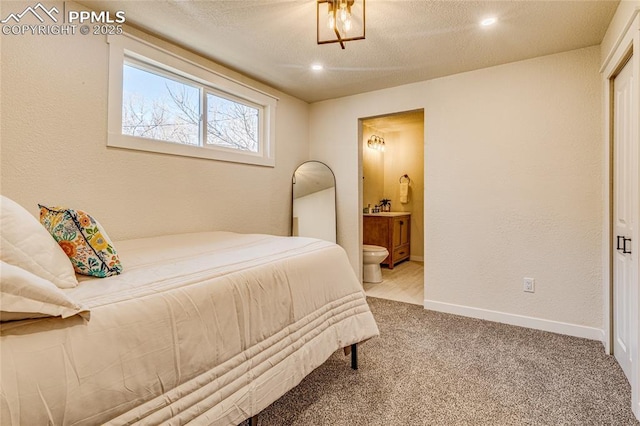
317	67
487	22
338	20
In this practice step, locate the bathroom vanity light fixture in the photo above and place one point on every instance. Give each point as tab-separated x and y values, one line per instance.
376	142
339	21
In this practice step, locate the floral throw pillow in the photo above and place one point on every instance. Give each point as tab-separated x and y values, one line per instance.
83	240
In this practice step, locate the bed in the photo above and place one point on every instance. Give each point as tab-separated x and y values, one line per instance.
202	328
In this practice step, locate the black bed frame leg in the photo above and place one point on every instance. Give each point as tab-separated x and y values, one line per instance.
253	421
354	356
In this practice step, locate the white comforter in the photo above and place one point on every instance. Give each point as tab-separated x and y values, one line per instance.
208	328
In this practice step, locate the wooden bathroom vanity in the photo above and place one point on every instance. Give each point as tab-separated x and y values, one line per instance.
391	230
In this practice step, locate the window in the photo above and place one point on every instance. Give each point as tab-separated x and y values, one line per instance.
159	107
231	124
163	103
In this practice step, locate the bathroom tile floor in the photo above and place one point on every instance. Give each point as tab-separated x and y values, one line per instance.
403	283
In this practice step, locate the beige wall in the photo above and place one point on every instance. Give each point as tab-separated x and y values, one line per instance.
512	183
373	170
53	150
405	155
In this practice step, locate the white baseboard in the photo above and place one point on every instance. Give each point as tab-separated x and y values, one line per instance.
603	339
417	258
519	320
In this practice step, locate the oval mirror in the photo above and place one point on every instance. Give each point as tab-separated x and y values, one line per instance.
314	202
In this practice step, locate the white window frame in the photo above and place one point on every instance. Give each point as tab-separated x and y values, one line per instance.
124	47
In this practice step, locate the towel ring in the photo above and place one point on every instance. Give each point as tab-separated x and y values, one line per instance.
405	176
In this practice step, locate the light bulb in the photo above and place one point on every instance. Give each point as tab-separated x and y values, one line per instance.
347	25
343	14
331	21
489	21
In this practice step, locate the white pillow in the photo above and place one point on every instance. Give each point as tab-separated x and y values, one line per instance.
25	243
25	295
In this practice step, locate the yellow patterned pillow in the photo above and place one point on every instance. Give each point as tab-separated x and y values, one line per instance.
83	240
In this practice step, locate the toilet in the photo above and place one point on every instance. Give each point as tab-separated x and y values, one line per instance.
371	258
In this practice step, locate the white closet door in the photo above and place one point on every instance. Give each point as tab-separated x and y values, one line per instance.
625	169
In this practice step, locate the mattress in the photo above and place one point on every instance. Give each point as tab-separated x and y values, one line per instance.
205	328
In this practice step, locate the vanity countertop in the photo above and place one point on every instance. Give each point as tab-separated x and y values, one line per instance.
387	214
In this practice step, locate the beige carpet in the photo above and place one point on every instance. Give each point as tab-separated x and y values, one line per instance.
429	368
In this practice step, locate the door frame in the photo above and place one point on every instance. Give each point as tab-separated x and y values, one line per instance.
626	49
361	121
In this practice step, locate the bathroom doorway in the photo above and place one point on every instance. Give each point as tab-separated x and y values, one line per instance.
392	196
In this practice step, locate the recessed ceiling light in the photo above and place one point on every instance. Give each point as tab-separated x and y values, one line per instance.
317	67
488	21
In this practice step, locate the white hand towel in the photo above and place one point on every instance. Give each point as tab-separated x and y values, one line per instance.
404	192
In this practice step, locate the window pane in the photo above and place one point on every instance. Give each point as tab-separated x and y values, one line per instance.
157	107
231	124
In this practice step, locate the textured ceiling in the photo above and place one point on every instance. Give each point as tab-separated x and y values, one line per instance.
395	122
274	41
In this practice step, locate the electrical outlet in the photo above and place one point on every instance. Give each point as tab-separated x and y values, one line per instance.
529	285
